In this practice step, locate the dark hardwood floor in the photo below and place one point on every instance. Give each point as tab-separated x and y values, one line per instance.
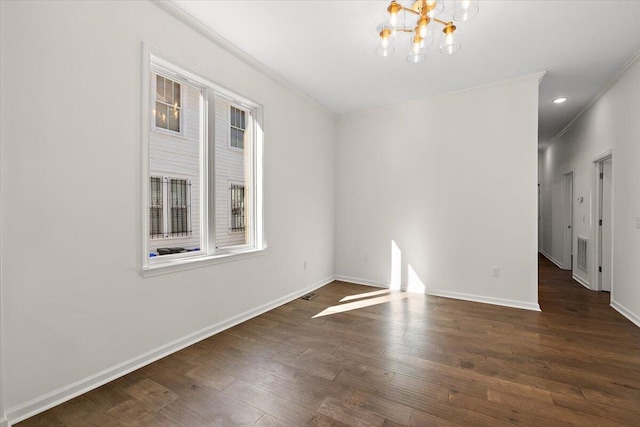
363	356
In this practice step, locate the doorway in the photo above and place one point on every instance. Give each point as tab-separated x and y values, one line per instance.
567	263
604	251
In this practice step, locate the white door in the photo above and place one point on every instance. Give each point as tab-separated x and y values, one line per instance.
605	225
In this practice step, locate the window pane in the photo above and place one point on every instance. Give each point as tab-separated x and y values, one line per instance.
156	221
234	137
160	89
161	115
174	119
169	91
180	204
233	222
237	138
242	114
176	95
236	119
175	200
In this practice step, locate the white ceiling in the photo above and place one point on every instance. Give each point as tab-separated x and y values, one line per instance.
327	49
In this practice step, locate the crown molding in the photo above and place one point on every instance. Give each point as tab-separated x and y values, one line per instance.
595	98
193	23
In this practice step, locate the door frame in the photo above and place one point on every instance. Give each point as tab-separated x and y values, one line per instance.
596	213
540	223
568	220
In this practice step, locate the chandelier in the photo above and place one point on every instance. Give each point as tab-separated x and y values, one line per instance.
398	20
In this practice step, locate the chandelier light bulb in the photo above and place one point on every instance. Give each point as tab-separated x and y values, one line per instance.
449	43
386	43
394	9
423	26
416	46
416	53
448	39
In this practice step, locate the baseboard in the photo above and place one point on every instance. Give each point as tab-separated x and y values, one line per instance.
581	281
4	422
486	300
625	312
366	282
56	397
445	294
553	260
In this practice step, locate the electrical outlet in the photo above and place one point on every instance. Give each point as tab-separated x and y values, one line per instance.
495	272
305	264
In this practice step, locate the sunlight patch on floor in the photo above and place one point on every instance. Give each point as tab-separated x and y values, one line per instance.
365	295
362	304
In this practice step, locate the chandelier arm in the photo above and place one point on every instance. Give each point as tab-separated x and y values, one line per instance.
439	21
408	9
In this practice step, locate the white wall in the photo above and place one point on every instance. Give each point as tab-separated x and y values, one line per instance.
71	119
452	181
610	124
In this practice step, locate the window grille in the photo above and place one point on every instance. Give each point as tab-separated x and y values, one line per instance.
156	219
170	207
238	126
180	204
237	208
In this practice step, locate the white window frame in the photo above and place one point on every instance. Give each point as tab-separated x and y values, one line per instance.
157	62
183	100
247	117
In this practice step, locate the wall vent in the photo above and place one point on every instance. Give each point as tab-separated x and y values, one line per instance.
583	244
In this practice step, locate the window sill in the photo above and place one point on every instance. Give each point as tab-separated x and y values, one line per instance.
182	264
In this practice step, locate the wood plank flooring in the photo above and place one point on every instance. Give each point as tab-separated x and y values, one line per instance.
361	356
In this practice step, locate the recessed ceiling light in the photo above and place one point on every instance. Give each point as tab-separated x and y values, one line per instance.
560	100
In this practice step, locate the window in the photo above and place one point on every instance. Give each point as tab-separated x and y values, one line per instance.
170	207
202	200
168	105
237	128
236	222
